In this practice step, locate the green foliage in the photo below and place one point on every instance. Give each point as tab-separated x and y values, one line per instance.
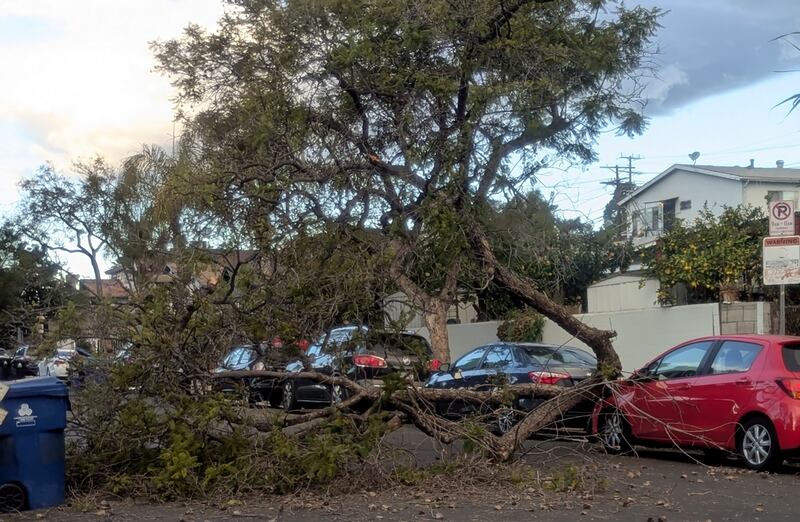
389	122
568	479
710	253
474	433
30	286
523	326
562	257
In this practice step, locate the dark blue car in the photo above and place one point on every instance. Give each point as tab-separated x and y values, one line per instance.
496	364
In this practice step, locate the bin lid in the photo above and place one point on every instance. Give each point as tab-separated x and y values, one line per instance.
36	387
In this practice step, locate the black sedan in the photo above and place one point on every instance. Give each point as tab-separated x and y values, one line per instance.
364	355
516	363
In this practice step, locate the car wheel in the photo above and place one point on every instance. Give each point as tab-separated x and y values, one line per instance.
506	420
254	398
758	445
615	433
289	399
338	394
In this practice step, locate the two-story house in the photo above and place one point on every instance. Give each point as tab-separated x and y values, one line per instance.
681	191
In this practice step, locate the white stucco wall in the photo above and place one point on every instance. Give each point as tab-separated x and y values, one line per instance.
755	193
641	334
622	292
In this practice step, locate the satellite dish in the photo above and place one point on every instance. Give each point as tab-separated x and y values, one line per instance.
693	156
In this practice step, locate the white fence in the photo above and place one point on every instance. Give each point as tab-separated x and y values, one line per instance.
641	334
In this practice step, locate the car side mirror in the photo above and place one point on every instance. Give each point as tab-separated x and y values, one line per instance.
643	376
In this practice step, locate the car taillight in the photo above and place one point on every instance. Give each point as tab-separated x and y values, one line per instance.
547	377
59	362
369	361
434	365
791	387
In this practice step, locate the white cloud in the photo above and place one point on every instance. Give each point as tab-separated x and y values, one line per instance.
667	77
79	80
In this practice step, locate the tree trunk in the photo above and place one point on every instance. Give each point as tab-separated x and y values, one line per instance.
435	315
97	277
598	340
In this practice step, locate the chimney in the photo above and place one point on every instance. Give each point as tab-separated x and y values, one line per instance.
752	163
779	164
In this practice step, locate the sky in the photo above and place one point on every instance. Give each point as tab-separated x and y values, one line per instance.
78	81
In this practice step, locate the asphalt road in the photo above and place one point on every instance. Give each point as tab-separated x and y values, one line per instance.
654	485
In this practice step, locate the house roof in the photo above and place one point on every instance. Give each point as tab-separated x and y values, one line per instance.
759	174
111	288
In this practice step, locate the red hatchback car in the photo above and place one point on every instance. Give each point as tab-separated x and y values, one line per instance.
736	393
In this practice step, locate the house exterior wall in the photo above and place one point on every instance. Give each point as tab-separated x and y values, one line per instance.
755	193
641	334
700	189
398	309
622	292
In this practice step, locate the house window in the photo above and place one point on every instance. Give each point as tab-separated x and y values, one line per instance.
686	204
638	222
781	195
652	217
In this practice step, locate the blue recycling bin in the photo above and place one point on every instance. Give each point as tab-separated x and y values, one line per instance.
32	470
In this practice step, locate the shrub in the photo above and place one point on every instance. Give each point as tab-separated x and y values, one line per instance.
522	326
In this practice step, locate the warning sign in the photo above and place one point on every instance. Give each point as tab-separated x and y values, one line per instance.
781	218
782	260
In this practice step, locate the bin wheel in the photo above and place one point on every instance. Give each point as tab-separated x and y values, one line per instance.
12	498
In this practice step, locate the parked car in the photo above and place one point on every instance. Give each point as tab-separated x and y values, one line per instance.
241	357
516	363
357	352
734	393
23	363
60	365
364	355
17	364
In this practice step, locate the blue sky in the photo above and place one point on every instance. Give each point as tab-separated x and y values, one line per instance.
78	82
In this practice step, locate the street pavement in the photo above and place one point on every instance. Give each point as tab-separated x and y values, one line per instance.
657	485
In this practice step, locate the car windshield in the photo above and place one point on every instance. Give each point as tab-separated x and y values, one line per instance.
233	356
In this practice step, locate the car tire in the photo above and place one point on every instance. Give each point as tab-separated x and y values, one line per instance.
339	394
288	395
253	398
757	444
505	420
614	432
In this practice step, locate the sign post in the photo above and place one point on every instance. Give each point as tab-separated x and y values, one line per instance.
781	266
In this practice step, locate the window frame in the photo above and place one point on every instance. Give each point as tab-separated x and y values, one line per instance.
511	360
718	348
485	349
702	368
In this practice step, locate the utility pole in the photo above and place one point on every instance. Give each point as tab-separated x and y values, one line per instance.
630	159
621	189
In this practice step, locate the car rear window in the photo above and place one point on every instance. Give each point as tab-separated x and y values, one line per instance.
791	357
545	354
406	343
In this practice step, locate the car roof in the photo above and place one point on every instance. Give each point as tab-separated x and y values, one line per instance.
770	338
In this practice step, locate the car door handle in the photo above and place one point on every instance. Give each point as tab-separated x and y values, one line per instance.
743	382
